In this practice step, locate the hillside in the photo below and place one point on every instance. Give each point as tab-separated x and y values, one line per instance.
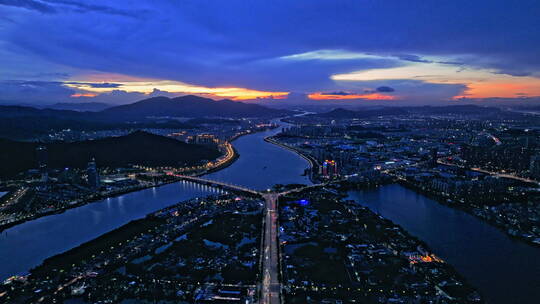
136	148
29	125
340	113
79	106
23	122
348	114
188	106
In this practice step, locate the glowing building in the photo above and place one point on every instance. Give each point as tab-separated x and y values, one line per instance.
329	168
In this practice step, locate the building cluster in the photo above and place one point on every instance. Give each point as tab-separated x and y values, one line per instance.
520	160
364	151
222	129
47	190
336	251
518	219
466	161
199	251
458	185
203	139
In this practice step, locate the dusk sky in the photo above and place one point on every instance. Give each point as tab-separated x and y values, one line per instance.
364	52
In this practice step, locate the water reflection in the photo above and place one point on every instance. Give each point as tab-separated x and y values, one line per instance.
26	245
503	269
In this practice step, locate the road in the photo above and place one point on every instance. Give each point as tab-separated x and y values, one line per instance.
15	197
270	285
511	176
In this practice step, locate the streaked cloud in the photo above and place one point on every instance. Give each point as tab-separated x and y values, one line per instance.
235	49
480	83
349	96
174	87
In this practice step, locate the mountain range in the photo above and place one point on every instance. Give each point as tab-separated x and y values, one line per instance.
188	107
80	106
340	113
23	122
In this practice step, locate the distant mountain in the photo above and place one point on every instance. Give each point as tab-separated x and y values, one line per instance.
23	122
456	109
26	111
348	114
391	111
189	106
80	106
136	148
338	113
213	121
18	122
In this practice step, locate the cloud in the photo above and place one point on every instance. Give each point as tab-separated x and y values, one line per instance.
84	7
413	58
31	5
34	91
50	92
239	44
57	6
337	93
385	89
96	85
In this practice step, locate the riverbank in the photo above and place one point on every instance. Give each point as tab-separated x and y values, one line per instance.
234	156
260	166
102	268
503	269
85	201
313	165
472	210
339	242
469	210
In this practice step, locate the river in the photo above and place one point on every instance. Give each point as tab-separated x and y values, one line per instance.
503	269
260	166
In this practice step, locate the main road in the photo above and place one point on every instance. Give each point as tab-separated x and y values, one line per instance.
271	288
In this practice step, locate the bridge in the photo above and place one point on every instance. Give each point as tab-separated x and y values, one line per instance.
214	183
271	286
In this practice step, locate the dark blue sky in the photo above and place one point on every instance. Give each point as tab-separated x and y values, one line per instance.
425	51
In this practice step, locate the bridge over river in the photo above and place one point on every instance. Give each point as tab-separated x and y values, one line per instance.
270	285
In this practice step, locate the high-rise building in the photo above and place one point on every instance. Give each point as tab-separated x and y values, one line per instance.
42	158
329	168
93	175
534	167
433	157
205	139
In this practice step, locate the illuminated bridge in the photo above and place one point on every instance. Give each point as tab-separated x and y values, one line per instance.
214	183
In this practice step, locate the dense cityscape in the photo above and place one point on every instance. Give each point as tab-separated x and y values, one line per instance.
329	248
269	152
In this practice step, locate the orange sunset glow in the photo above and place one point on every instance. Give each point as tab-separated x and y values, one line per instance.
77	95
92	85
330	96
497	89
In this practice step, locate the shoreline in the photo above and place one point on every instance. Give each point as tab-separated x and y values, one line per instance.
469	211
440	200
84	202
80	204
312	162
344	199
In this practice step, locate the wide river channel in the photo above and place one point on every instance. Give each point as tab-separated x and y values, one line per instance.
504	270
